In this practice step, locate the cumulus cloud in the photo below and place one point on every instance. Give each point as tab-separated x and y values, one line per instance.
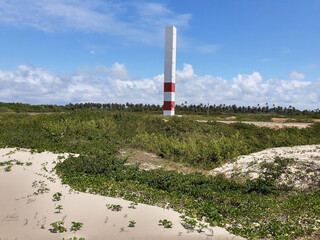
140	21
295	75
103	84
245	89
38	85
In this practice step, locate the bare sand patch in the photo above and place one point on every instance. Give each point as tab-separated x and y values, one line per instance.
304	172
280	120
149	161
27	208
228	118
274	125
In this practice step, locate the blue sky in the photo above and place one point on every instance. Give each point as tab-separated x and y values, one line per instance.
234	52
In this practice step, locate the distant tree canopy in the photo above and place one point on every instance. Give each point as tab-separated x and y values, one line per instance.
180	109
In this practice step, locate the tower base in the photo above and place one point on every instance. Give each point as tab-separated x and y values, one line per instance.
168	112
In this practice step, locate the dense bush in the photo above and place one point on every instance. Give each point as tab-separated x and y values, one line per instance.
204	145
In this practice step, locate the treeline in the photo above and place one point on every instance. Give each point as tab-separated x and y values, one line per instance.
222	108
184	108
24	107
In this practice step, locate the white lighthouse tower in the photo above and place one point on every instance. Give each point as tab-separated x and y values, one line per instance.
169	70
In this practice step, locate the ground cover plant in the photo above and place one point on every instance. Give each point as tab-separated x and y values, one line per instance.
201	226
166	223
8	168
132	223
58	227
57	196
42	187
133	205
76	226
59	208
8	164
114	207
260	209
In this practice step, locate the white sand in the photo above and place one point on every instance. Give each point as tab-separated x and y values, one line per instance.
273	124
25	216
303	173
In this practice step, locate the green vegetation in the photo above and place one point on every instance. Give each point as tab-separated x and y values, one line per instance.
166	223
133	205
22	107
42	187
204	145
265	211
76	226
57	196
271	173
19	163
201	109
115	208
5	110
132	223
188	223
8	164
201	226
59	208
41	190
8	168
58	227
260	208
36	184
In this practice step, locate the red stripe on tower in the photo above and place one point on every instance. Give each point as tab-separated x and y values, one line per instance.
169	87
168	106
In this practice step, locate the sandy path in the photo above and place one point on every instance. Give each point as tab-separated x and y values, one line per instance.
25	216
273	124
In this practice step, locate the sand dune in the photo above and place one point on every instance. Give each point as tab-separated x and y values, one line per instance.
27	216
304	172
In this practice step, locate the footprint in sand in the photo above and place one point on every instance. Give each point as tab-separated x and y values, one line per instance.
30	200
11	217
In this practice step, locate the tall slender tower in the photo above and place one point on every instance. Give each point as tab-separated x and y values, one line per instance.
169	70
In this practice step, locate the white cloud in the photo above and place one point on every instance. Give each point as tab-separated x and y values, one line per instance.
245	89
37	85
92	52
141	21
295	75
247	84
